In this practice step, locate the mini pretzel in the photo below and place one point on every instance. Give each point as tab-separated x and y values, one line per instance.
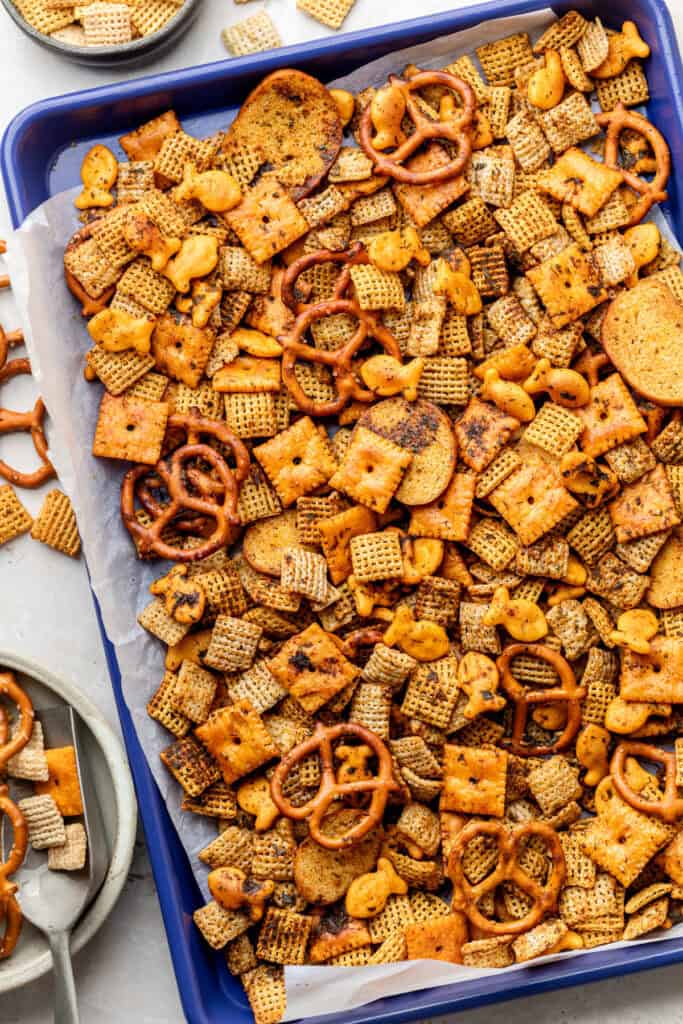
365	637
9	747
568	692
330	790
340	359
466	896
9	908
217	500
651	192
456	130
14	422
670	807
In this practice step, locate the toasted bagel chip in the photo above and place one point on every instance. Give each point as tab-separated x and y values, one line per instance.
291	119
266	539
322	875
424	429
642	333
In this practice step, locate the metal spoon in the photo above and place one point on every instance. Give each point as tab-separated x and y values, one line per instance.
53	901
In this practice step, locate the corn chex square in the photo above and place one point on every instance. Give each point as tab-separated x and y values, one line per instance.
14	519
72	855
44	822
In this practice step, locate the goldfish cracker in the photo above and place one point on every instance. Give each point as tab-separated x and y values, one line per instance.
627	716
621	48
635	629
184	599
478	677
206	295
387	109
253	796
198	256
482	133
256	343
638	777
523	619
365	596
565	593
545	87
354	762
513	363
592	746
421	557
509	397
565	387
144	237
217	191
644	241
551	717
368	894
458	289
230	887
99	172
345	104
581	474
386	376
393	250
570	940
115	331
421	639
191	648
576	574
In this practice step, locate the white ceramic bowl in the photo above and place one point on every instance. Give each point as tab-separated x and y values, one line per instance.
105	758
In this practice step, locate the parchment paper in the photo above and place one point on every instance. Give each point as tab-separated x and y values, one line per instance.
57	342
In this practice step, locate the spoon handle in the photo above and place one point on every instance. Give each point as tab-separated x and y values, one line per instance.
65	1003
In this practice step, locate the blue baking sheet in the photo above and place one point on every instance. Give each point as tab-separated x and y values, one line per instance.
40	155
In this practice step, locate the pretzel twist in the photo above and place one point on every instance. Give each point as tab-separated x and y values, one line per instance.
670	807
9	908
9	747
568	692
651	192
340	360
456	130
216	501
466	896
380	786
16	422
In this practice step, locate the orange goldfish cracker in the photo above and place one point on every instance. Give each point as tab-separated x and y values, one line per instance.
99	171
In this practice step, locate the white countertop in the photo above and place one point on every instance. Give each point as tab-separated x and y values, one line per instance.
46	612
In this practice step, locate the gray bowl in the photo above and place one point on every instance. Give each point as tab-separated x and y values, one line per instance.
106	761
136	52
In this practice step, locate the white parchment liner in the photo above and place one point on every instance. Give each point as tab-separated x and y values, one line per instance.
57	342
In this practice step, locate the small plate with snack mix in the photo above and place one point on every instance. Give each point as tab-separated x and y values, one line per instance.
104	34
385	404
42	809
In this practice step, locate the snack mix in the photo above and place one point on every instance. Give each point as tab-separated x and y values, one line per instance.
37	820
99	22
399	377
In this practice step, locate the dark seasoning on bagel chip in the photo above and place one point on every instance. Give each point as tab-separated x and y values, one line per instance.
418	352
